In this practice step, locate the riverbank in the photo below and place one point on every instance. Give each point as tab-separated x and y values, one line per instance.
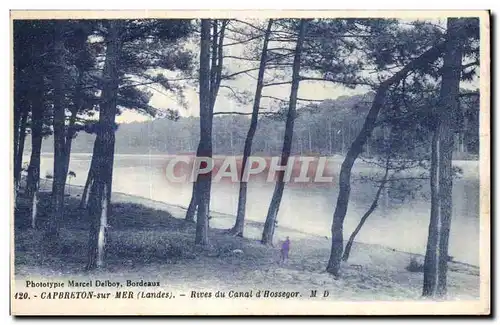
150	240
310	207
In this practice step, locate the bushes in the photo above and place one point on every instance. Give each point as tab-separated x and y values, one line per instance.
146	246
415	265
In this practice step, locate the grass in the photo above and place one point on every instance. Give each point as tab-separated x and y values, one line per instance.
157	243
137	235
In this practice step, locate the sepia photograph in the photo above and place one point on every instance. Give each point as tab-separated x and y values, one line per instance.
250	163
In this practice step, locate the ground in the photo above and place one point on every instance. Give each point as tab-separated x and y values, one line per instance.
150	240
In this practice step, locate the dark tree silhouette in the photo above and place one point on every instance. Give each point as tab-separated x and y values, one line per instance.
100	188
242	198
272	213
215	66
356	148
436	257
204	181
59	134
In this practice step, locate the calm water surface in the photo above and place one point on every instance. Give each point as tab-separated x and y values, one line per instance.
400	225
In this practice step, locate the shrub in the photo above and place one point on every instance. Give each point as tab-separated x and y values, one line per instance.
415	265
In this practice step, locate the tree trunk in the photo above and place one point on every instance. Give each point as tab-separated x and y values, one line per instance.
436	257
21	108
33	179
103	224
18	159
215	77
387	202
213	64
59	180
68	144
99	199
16	132
272	213
462	142
355	149
330	135
90	177
190	213
204	182
247	151
431	262
370	210
70	133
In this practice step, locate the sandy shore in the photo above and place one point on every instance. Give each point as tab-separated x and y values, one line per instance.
373	272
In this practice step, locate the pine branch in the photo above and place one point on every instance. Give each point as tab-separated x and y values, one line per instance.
298	98
243	41
242	113
345	82
240	58
238	73
277	83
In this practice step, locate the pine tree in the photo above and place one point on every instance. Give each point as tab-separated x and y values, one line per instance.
270	224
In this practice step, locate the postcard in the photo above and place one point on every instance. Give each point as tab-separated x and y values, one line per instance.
250	163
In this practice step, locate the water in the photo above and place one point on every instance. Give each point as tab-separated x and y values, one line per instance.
396	224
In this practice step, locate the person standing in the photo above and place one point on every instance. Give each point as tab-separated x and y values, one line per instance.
285	248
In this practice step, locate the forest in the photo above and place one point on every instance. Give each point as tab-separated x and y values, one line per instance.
326	128
419	108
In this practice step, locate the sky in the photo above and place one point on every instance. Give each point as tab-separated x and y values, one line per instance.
307	90
316	90
245	82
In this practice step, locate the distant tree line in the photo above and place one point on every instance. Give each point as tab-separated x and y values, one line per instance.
325	128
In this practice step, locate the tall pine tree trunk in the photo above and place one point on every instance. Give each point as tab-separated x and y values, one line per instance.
33	179
16	131
387	201
436	257
204	182
90	177
20	111
59	180
70	132
355	149
330	136
272	213
98	206
215	78
431	262
19	149
247	151
190	213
